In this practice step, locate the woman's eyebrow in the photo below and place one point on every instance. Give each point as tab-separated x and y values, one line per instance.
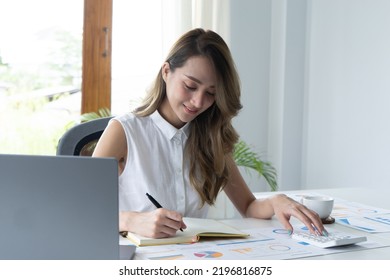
193	78
196	80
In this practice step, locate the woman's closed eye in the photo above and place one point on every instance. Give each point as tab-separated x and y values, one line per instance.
191	88
194	88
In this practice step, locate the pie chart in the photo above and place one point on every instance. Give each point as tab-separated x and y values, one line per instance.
208	254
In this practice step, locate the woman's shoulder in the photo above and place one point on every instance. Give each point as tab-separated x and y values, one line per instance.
130	118
124	117
131	121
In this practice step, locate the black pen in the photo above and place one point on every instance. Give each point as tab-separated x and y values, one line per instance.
155	203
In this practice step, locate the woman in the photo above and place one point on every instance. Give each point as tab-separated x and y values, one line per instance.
178	145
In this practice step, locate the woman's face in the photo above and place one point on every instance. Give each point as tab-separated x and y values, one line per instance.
190	90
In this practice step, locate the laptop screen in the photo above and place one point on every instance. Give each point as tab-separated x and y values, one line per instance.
58	207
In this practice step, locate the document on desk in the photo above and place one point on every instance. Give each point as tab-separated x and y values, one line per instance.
357	215
262	243
362	217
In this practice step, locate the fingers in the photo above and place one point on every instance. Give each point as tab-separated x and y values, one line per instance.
286	224
309	218
166	223
174	220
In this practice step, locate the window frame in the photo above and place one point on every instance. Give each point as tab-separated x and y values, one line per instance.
96	68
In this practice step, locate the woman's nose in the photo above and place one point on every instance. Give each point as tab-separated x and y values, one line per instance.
198	99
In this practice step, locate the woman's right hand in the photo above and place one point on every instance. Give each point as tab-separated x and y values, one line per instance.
159	223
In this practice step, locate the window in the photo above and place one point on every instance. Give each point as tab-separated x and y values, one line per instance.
40	72
41	93
138	50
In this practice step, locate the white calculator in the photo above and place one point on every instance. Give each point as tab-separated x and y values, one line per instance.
332	240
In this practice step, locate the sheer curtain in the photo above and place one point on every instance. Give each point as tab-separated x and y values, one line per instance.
144	31
180	16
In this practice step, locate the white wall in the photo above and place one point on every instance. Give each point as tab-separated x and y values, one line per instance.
348	94
268	45
316	89
286	106
249	43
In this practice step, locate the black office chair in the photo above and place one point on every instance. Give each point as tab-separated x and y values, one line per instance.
81	139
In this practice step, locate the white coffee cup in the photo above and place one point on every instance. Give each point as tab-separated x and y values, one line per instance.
323	205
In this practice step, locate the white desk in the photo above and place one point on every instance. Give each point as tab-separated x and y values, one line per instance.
372	197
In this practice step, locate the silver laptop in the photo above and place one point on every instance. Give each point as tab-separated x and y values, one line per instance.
59	207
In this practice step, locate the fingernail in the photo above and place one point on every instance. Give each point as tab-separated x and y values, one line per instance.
325	233
289	232
316	230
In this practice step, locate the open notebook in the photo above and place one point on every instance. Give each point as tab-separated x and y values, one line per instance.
196	228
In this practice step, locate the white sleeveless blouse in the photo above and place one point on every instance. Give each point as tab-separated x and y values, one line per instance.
155	165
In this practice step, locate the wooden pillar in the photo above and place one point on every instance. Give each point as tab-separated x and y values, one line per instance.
96	77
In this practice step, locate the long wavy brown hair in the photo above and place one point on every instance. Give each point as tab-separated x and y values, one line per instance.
212	136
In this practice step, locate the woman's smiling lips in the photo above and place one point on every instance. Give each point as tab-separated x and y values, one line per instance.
192	111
